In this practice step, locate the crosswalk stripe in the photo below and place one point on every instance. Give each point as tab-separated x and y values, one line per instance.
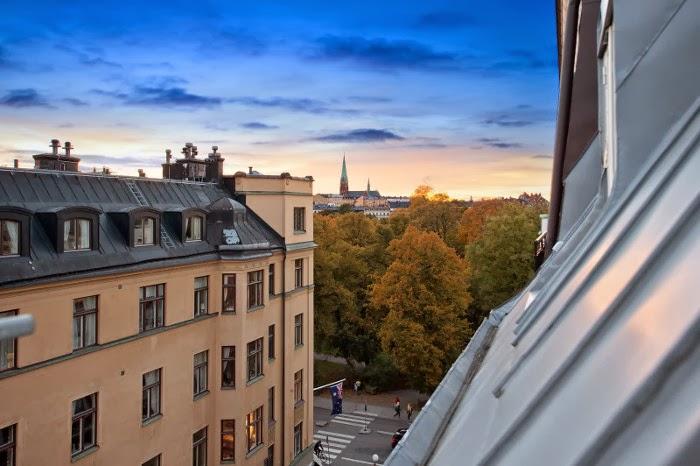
332	456
332	450
360	461
366	413
353	417
347	423
325	432
384	432
332	440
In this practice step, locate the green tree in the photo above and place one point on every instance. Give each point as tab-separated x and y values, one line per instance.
502	258
419	304
435	212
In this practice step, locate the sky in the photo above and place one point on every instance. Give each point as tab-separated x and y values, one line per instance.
459	95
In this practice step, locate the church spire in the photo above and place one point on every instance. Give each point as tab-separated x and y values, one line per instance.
344	179
368	190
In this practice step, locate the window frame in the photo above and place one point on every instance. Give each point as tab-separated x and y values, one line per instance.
254	430
255	355
299	330
271	279
299	272
200	381
147	393
231	288
143	301
82	317
18	245
79	417
186	223
157	460
256	289
299	386
197	444
198	292
24	217
11	445
3	343
299	219
271	405
139	223
232	432
298	439
232	360
77	221
271	342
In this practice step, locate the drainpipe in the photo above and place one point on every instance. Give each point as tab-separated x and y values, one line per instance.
284	352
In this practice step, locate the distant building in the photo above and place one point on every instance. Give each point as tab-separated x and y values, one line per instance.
173	317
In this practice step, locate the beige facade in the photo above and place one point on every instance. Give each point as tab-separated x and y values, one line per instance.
36	396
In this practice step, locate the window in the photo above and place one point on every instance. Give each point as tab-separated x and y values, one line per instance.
299	329
255	359
199	448
271	404
76	234
228	440
152	462
193	228
271	279
150	405
8	348
253	427
297	438
270	460
7	446
228	366
255	289
300	219
144	231
201	366
201	296
151	306
84	322
271	342
228	297
9	240
299	386
298	273
84	426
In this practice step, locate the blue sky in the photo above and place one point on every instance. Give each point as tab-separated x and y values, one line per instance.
459	95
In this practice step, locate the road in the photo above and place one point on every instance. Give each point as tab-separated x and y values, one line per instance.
346	446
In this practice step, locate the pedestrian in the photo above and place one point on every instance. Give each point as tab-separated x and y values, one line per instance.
356	386
397	407
409	411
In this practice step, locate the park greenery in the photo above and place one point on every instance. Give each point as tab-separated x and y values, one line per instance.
399	298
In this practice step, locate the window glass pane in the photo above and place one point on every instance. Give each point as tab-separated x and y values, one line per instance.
6	435
148	229
77	332
138	232
88	431
84	234
9	237
69	235
90	329
75	436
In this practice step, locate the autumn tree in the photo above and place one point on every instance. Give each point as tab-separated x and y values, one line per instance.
435	212
419	304
502	257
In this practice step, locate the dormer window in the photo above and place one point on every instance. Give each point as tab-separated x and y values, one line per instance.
144	231
194	228
76	234
9	237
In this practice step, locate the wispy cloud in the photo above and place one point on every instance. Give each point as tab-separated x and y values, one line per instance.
445	20
523	60
161	96
294	104
383	54
257	125
75	102
507	121
21	98
370	99
361	136
88	58
498	143
542	156
99	159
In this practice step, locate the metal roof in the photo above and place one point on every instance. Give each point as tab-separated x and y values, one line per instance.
45	190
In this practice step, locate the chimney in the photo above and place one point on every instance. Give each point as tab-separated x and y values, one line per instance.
55	144
187	150
142	174
16	163
194	151
250	170
168	155
214	154
67	147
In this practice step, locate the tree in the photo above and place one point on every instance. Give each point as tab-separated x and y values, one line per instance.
502	258
435	212
471	225
419	304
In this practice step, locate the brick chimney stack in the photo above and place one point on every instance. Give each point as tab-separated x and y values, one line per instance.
55	144
68	147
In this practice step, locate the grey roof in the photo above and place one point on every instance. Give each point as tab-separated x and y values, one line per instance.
43	190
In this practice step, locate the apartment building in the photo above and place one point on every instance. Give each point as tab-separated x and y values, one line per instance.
173	317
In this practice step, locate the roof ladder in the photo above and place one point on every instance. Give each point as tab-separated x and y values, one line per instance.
165	239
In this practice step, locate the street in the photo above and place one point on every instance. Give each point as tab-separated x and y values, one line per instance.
342	440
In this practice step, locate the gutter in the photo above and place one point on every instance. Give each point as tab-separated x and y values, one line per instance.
562	131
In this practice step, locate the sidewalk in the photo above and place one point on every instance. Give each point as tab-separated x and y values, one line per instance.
381	404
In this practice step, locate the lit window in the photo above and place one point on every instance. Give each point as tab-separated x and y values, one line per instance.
253	425
84	424
9	238
228	440
76	234
144	231
84	322
193	228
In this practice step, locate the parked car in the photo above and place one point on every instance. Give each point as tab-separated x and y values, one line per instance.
398	435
